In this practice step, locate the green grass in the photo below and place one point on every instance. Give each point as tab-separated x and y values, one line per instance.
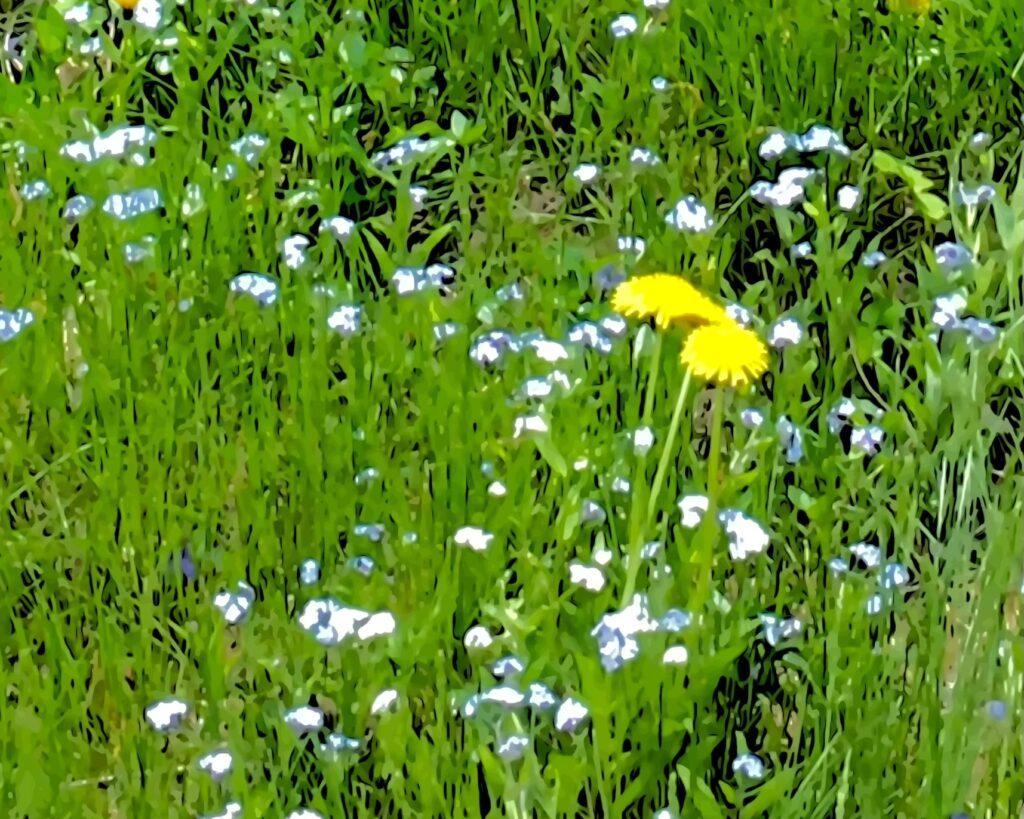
239	431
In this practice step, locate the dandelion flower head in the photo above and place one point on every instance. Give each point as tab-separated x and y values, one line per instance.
666	298
725	353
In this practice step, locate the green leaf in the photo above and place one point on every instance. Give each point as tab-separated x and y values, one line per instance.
549	452
888	164
931	206
353	51
51	28
698	790
459	123
768	794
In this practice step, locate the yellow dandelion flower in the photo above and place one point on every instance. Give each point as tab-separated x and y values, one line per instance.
726	353
666	298
127	4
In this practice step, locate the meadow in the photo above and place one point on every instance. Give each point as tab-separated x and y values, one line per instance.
335	485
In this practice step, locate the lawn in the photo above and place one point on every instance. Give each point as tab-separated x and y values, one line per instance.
334	485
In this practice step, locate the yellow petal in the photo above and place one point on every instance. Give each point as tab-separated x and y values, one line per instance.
666	298
725	353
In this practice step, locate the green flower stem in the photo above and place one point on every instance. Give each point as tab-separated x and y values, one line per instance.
652	379
636	542
646	411
705	539
659	476
713	483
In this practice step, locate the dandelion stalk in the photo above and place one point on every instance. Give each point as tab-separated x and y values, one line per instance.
647	409
705	537
713	483
719	350
636	543
659	475
652	380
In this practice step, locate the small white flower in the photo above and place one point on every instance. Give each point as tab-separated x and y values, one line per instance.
386	700
549	351
675	655
788	190
632	245
78	14
740	314
777	629
234	605
474	538
848	197
586	174
623	26
981	331
304	720
748	766
148	14
571	715
867	440
867	553
217	764
537	388
329	622
776	145
377	625
643	440
478	638
690	215
346	320
873	259
692	508
293	251
839	416
591	512
643	158
508	666
752	418
785	332
980	140
505	695
418	196
975	197
947	309
613	325
540	697
820	138
339	227
953	256
651	549
232	810
513	747
529	424
616	632
746	536
590	578
167	715
801	250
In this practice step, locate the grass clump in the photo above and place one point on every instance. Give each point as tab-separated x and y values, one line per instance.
167	434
